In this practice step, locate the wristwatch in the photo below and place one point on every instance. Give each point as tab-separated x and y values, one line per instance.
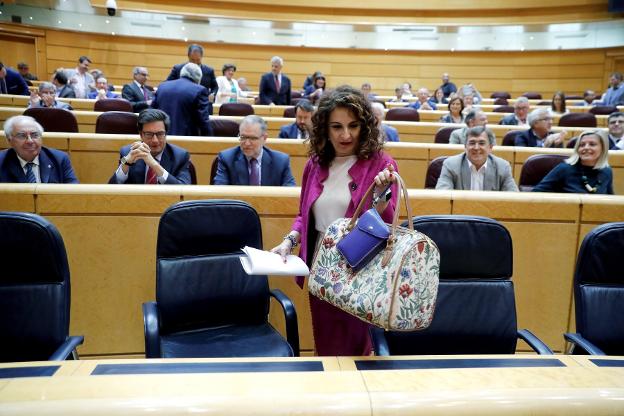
124	161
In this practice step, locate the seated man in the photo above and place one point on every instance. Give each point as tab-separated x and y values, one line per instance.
386	133
302	127
252	163
519	117
367	90
615	122
539	134
477	169
63	87
136	92
11	82
152	160
424	101
46	97
102	91
27	160
24	71
474	118
588	98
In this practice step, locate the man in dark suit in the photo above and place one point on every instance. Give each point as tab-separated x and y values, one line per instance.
152	160
252	163
519	117
539	134
186	103
302	127
274	85
11	82
208	79
27	160
136	92
63	88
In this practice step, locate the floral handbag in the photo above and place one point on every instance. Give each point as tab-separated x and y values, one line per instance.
396	290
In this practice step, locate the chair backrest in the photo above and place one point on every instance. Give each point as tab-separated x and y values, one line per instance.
532	95
224	128
475	310
199	278
599	288
290	112
213	169
572	142
54	119
116	122
34	288
535	168
433	172
443	134
295	94
236	109
509	139
545	102
578	120
500	94
504	109
501	101
193	173
574	97
603	109
113	104
402	114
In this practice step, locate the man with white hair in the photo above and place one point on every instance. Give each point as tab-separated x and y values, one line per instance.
387	133
274	85
424	101
519	117
186	102
539	135
136	92
101	90
46	97
27	160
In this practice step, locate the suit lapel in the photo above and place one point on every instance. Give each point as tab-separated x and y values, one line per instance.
489	181
45	167
166	159
14	167
242	173
136	174
465	173
265	168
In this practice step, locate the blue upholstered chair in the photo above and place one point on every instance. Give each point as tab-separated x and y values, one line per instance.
599	292
206	306
34	291
475	310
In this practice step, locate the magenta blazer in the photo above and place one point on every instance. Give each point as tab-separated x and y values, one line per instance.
363	173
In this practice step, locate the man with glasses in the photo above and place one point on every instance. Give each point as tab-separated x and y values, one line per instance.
477	169
27	160
539	135
252	163
616	131
153	161
519	117
474	118
46	97
136	92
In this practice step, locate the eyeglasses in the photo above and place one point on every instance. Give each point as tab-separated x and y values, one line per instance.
250	138
620	121
474	143
150	134
144	74
545	119
34	135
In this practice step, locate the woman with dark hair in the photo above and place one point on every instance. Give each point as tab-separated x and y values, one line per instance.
228	91
314	91
558	104
345	158
456	107
438	97
586	171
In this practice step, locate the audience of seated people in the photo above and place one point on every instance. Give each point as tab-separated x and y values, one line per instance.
558	104
101	90
386	133
302	127
474	118
424	101
152	160
470	90
447	86
398	98
24	71
438	97
275	87
63	87
45	96
228	89
614	95
539	135
477	169
519	116
11	82
367	90
195	54
253	163
407	91
82	81
136	92
27	160
455	114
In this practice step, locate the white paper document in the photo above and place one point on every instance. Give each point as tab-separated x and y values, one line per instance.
264	262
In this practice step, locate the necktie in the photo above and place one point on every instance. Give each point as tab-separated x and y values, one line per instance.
151	177
3	87
144	92
277	83
254	178
30	175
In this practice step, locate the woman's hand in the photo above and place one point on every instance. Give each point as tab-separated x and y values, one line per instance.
286	246
382	180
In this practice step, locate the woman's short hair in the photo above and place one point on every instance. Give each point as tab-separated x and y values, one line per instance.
357	104
452	100
603	159
227	67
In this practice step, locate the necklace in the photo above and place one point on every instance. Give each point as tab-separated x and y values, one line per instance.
590	189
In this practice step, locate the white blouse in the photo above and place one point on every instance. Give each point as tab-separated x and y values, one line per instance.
334	200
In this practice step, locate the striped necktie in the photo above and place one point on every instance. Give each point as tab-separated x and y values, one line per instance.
150	179
30	175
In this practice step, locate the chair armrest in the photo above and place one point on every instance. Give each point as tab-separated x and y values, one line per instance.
290	313
66	348
534	342
151	330
578	340
380	345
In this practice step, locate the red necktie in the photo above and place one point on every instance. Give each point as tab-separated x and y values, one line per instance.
144	92
254	178
277	83
151	177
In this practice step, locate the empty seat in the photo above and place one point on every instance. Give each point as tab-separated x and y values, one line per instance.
603	109
578	120
504	109
510	137
443	134
535	168
113	104
500	94
501	101
532	95
402	114
54	119
290	112
433	172
224	128
235	109
116	122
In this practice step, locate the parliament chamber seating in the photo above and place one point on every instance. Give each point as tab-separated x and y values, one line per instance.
117	122
34	294
113	104
206	305
290	112
603	109
535	168
578	120
402	114
501	101
476	308
509	139
236	109
443	134
54	119
500	94
433	172
504	109
224	127
531	95
599	292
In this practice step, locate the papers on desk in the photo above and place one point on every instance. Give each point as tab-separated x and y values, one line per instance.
264	262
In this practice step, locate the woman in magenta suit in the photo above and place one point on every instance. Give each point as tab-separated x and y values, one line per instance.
345	158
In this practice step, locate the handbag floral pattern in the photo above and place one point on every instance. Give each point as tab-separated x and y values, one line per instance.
400	296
